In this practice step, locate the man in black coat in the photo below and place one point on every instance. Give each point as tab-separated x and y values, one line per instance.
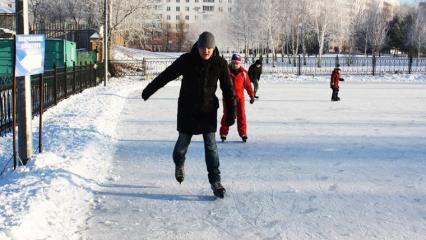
255	70
197	104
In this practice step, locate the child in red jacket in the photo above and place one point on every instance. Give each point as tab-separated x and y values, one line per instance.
241	81
334	83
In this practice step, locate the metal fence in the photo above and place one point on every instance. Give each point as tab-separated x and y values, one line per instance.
151	67
58	84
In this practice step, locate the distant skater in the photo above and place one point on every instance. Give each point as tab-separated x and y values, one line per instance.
255	70
201	69
241	81
334	83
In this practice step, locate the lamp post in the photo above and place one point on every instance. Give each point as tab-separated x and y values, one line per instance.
23	97
106	23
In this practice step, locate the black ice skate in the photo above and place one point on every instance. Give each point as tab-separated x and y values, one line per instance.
223	138
218	190
179	173
244	138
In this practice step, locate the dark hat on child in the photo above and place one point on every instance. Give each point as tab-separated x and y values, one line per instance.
236	57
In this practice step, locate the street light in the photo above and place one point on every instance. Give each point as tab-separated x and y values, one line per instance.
106	41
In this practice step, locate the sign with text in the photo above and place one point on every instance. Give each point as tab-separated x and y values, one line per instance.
29	55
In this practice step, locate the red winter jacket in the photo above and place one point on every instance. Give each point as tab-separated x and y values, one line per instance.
241	81
334	80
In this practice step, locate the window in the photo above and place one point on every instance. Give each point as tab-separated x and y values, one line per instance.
177	9
177	17
209	1
208	8
178	1
197	9
187	9
167	0
168	17
168	8
187	1
220	9
186	17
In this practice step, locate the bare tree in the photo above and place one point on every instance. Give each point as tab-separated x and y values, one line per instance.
378	27
417	33
322	21
268	19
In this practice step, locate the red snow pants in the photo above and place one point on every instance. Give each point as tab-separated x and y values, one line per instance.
241	119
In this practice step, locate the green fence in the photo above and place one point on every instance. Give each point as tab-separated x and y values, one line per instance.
58	53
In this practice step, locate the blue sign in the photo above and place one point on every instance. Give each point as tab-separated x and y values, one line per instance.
29	55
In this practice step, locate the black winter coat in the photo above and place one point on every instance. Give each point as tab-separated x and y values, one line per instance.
255	72
197	104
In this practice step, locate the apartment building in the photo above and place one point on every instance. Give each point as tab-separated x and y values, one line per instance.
175	12
173	18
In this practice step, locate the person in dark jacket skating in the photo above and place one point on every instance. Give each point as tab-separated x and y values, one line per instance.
241	82
334	83
201	69
255	70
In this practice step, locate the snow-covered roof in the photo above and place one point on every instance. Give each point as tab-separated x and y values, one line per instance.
95	36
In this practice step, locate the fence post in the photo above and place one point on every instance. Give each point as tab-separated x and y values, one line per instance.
73	77
299	66
55	84
374	64
80	78
92	83
144	67
41	103
86	83
410	64
337	61
94	74
65	81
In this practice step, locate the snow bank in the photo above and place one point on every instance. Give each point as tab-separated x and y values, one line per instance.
51	197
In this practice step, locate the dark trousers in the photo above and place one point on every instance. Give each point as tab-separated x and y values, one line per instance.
255	85
210	150
334	95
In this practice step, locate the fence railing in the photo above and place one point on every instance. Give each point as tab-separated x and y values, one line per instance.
58	84
298	65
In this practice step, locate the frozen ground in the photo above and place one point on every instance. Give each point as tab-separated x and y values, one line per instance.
311	169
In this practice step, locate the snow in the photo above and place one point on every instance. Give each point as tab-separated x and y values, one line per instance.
123	53
311	169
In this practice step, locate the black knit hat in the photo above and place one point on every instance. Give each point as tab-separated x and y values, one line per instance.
206	40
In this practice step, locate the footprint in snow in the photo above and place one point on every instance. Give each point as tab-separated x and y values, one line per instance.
333	187
310	210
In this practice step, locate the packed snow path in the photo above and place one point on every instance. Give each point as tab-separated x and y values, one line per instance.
311	169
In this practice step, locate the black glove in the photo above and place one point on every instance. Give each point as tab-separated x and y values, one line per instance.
251	100
145	95
341	79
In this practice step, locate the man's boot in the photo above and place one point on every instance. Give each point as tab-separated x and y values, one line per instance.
218	190
179	173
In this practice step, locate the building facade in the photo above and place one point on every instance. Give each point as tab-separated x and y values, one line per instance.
172	19
174	12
